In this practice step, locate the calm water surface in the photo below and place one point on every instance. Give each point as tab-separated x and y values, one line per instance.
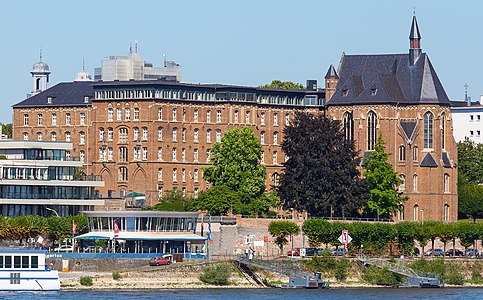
278	294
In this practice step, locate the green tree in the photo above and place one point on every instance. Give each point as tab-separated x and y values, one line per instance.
383	182
236	164
422	236
405	232
470	161
284	85
7	129
321	174
446	233
470	198
218	200
174	200
317	231
280	230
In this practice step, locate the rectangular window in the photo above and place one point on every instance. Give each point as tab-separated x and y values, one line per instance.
25	262
247	117
175	175
160	153
39	119
26	120
8	261
287	119
160	113
173	154
262	118
119	114
195	155
208	116
110	113
235	116
471	132
195	115
34	262
218	116
1	262
136	114
174	114
82	118
16	262
478	133
471	118
478	118
275	119
127	112
54	119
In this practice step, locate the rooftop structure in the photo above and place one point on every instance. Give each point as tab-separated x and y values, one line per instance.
133	67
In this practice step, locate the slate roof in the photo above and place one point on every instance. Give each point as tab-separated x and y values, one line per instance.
408	127
63	94
428	161
446	160
331	73
387	79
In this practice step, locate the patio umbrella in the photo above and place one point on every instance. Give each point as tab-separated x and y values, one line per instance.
134	194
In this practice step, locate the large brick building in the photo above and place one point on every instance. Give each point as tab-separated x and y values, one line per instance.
154	136
400	97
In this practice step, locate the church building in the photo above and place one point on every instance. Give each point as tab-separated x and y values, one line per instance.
400	97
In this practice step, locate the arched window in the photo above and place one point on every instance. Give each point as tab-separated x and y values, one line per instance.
348	126
82	137
402	153
428	130
415	212
446	212
54	136
195	135
401	212
415	183
275	138
276	179
415	153
402	187
25	136
443	131
446	183
371	130
160	133
262	137
175	134
208	136
136	133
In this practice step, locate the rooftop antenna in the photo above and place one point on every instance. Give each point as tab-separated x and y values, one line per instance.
83	63
135	46
130	47
414	11
40	53
164	58
468	101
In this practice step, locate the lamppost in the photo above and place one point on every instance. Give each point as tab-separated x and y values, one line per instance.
52	210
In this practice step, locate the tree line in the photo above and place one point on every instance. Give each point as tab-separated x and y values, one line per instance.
380	238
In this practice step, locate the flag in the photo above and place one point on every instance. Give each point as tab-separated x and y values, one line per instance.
41	240
116	229
208	235
74	227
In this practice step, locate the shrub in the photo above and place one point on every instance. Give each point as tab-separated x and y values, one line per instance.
379	276
86	280
454	277
436	266
116	275
341	269
217	275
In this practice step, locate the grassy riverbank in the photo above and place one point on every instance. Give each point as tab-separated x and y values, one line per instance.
342	273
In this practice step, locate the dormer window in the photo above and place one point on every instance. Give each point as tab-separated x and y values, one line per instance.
345	92
49	100
86	99
373	91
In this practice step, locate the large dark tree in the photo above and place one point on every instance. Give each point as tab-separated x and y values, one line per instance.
321	172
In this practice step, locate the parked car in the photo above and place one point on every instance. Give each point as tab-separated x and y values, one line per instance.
64	248
472	252
437	252
339	252
161	260
294	252
457	252
313	251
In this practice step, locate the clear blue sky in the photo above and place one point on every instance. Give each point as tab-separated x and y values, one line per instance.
243	42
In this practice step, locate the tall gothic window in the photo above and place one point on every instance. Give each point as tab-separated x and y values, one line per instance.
371	130
428	130
443	132
348	126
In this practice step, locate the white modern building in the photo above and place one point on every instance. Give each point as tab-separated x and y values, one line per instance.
41	178
467	120
133	67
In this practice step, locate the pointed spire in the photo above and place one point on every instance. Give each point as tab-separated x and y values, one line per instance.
414	35
331	73
414	42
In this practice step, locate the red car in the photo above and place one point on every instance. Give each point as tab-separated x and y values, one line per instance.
160	260
294	252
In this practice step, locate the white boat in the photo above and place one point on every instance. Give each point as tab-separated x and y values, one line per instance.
25	270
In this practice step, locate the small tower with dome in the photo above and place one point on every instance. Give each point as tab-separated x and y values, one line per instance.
83	75
40	76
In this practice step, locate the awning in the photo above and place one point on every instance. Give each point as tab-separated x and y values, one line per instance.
134	194
139	236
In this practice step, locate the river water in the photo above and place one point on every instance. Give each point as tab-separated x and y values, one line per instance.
276	294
